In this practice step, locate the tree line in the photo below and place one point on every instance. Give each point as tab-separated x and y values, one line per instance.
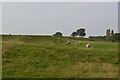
79	32
110	35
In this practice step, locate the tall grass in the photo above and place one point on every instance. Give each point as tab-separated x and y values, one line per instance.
44	57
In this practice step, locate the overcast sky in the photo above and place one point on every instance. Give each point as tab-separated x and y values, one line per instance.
46	18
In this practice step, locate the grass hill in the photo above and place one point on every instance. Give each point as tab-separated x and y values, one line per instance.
49	57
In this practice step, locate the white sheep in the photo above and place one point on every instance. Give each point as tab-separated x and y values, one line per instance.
58	37
80	42
75	43
68	42
87	45
29	37
71	43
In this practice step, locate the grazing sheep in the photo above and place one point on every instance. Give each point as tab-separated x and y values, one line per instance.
92	42
29	37
68	42
58	37
75	43
80	42
87	45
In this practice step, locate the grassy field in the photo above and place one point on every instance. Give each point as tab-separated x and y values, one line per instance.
45	57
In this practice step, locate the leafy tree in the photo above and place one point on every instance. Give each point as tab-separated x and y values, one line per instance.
112	35
74	34
117	36
108	34
81	32
57	34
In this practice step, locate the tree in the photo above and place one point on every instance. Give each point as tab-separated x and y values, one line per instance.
84	34
57	34
81	32
117	36
74	34
112	35
108	34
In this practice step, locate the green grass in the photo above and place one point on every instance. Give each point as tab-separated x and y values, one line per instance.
44	57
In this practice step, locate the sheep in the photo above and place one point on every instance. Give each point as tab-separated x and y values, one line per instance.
75	43
92	42
29	37
79	42
87	45
58	37
68	42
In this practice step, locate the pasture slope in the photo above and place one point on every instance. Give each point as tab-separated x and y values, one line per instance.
46	57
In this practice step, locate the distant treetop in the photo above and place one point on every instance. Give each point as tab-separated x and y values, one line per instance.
79	32
57	34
